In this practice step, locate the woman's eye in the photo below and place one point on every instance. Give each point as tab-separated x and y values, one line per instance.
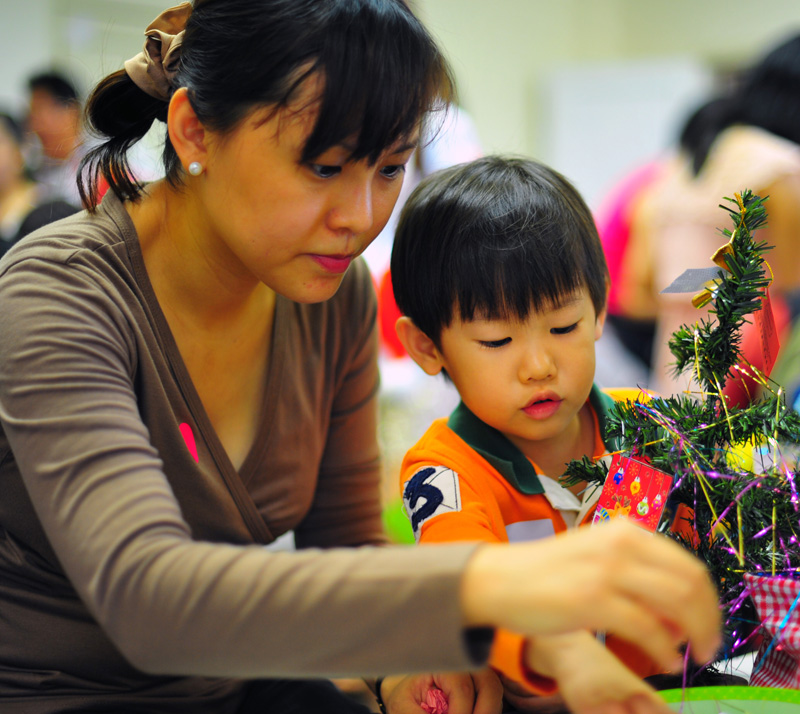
393	170
325	171
494	344
564	330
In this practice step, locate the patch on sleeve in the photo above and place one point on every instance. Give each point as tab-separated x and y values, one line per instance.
431	491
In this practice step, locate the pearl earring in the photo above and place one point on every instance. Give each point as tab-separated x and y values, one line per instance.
195	168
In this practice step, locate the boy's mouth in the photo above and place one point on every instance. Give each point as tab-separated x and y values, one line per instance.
543	407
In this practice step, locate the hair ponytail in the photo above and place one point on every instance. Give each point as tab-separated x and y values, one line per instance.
122	113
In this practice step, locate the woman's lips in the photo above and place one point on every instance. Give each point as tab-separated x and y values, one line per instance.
543	408
333	263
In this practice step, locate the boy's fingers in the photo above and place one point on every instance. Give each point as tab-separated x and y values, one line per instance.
488	693
457	703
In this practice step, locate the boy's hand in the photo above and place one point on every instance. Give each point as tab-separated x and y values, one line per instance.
591	679
615	577
467	693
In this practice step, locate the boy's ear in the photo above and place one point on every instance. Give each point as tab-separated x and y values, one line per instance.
600	320
418	345
187	134
599	323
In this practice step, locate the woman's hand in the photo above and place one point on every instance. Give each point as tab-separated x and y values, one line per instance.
615	577
467	693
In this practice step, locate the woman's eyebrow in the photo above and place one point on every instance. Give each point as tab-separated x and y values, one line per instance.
404	147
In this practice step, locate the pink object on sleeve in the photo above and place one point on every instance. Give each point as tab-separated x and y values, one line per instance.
435	702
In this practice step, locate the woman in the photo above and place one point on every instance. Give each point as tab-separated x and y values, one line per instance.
188	370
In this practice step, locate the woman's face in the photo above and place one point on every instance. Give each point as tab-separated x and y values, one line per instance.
295	226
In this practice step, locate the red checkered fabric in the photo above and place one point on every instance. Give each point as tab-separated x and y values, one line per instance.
778	661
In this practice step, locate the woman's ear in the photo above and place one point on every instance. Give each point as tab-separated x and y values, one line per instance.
419	346
187	134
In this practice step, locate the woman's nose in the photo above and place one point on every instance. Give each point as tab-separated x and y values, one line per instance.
354	210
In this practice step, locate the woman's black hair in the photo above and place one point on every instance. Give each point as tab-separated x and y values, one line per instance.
702	127
767	96
496	237
381	73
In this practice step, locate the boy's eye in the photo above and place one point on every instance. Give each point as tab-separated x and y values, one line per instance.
393	170
564	330
325	171
494	344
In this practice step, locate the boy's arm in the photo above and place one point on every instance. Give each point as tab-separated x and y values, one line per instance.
589	677
468	513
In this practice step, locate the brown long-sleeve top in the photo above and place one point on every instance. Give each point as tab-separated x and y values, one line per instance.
131	566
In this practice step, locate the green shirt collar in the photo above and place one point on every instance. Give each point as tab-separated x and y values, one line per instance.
496	448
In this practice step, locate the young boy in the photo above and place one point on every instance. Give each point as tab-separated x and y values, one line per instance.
502	282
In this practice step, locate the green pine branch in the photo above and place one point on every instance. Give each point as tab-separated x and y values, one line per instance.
742	518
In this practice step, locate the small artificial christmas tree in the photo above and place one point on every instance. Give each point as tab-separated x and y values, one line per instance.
738	515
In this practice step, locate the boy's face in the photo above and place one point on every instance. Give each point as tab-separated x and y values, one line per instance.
527	379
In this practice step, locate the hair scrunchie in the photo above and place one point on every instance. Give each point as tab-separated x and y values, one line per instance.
153	69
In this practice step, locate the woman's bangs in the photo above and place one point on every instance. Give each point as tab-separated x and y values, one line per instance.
382	73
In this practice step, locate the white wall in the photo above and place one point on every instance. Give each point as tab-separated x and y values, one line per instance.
25	32
521	64
600	120
85	38
502	50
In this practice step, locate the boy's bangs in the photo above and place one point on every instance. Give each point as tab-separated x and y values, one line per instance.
508	284
382	73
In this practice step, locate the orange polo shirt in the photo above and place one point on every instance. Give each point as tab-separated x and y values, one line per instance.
464	481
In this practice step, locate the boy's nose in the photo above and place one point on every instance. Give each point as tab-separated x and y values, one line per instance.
537	365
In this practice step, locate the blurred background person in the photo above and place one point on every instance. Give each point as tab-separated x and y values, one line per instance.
747	138
18	194
21	207
625	353
54	117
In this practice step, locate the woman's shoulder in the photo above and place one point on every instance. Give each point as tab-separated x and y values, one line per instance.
754	155
80	238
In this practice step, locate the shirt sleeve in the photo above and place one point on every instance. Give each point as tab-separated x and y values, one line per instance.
170	604
462	514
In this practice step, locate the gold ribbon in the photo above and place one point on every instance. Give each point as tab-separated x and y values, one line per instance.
719	258
153	69
705	296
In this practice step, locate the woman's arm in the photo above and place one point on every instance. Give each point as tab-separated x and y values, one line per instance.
615	577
